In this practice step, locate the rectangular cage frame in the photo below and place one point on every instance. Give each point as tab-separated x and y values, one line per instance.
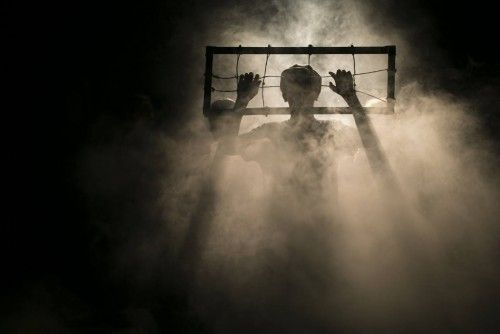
389	50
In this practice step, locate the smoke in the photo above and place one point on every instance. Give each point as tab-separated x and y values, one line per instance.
360	257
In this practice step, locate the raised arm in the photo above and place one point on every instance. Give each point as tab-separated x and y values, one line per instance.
248	87
344	86
225	123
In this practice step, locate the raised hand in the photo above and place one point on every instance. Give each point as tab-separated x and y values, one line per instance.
248	87
344	83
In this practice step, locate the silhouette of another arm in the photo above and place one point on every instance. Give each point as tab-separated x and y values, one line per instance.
237	145
227	124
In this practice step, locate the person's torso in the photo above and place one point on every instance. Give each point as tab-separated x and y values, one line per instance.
296	158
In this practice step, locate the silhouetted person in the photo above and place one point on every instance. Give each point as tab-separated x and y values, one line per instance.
297	158
294	155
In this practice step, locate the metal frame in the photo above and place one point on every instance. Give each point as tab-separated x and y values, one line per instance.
390	50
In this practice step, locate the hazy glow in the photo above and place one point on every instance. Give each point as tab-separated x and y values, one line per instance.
364	258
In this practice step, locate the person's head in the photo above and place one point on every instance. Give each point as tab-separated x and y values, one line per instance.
300	86
222	105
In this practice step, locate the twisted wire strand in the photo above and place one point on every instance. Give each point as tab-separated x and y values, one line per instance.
237	66
235	90
263	87
264	80
279	76
354	68
370	72
368	94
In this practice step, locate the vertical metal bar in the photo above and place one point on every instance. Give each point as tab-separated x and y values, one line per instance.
391	71
207	97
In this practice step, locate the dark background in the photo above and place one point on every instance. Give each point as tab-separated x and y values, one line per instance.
68	65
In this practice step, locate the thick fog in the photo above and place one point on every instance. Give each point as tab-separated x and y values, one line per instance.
356	255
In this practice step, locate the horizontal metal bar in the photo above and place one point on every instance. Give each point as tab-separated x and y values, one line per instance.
318	111
389	49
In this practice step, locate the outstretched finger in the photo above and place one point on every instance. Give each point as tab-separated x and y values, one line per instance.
333	87
334	76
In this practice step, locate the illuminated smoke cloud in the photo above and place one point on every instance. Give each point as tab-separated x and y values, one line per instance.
251	260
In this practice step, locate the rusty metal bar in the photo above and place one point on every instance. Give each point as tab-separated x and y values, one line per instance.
302	50
207	97
391	73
